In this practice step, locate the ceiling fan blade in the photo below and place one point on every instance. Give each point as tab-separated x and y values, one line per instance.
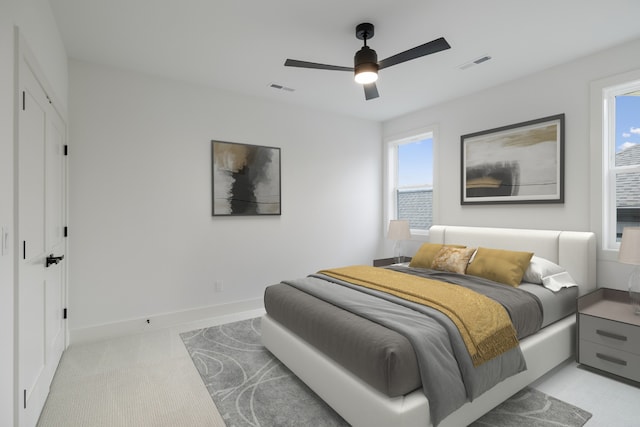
433	46
370	91
305	64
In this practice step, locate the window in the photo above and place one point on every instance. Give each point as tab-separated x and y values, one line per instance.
621	165
410	180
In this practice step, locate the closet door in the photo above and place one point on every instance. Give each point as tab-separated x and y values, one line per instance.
41	285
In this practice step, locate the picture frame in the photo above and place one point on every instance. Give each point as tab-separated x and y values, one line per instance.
519	163
245	179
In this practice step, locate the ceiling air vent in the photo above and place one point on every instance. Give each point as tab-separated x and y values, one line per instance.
477	61
280	87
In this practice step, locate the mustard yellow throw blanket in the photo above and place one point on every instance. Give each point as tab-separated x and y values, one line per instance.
484	324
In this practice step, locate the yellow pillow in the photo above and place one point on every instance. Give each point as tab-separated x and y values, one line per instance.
500	265
427	252
452	259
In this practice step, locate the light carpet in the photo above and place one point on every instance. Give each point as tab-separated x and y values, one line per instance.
142	380
251	387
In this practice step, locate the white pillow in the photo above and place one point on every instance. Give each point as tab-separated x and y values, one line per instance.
538	268
558	281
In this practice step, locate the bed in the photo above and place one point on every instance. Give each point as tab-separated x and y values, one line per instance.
362	401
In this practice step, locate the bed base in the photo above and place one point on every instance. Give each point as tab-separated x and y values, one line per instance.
361	405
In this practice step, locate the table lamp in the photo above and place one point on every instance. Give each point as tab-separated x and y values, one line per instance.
630	254
398	231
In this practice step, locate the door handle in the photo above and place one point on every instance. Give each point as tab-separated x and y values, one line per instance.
53	260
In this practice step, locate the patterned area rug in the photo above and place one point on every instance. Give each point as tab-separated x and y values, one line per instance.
251	388
532	408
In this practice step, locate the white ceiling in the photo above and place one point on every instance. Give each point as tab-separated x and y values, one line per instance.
241	46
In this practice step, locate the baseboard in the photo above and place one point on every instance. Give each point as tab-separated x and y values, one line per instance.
187	319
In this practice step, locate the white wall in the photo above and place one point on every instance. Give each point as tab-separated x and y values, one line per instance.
142	239
563	89
37	26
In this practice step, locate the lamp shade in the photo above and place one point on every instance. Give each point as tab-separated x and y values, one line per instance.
630	246
398	230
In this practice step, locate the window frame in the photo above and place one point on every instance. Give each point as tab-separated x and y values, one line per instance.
603	169
611	171
390	199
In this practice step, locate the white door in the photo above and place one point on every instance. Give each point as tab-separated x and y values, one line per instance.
41	213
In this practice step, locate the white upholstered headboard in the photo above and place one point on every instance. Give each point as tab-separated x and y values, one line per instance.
573	250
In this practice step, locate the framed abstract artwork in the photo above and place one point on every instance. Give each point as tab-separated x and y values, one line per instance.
520	163
245	179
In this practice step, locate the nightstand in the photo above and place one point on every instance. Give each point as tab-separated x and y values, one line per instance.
389	261
608	334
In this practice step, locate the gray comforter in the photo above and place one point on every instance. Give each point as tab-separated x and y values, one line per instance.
448	376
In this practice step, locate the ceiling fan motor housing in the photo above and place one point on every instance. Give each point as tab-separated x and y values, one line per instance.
365	59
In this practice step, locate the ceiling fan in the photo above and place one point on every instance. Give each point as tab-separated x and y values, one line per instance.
366	64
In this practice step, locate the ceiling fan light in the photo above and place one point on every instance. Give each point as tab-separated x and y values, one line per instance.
366	65
366	72
366	77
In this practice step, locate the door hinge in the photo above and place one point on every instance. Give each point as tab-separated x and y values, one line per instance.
24	396
24	249
66	150
64	313
24	96
66	231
